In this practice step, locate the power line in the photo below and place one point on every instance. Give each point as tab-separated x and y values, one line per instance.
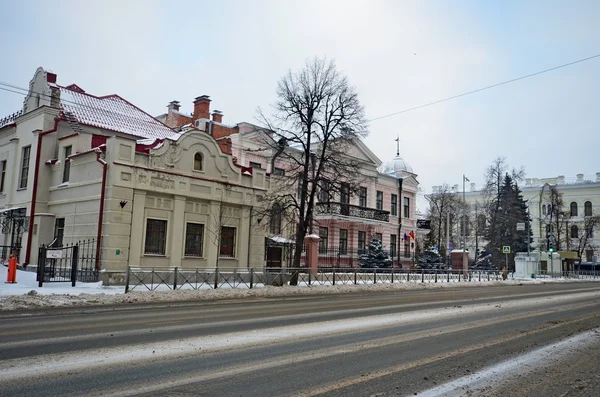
485	88
106	111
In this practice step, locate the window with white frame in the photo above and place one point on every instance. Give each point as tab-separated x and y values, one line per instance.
343	241
406	208
323	239
362	241
587	208
198	162
362	196
393	244
67	164
379	201
573	209
2	175
25	157
394	204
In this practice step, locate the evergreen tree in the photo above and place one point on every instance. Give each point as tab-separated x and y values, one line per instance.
375	257
511	209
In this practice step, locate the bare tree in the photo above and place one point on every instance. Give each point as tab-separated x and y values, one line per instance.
558	218
316	118
443	205
585	234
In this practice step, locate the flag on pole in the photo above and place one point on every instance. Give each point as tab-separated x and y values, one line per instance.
405	237
466	179
412	235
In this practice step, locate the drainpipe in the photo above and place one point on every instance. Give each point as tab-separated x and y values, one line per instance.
399	209
101	214
249	237
38	154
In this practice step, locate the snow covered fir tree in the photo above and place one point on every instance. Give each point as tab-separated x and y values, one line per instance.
375	257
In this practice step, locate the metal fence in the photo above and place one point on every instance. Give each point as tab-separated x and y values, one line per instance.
7	250
175	278
70	263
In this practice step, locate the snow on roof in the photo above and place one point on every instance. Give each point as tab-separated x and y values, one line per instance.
111	112
10	119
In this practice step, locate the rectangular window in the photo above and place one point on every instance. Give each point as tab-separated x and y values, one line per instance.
156	237
589	255
324	239
379	200
406	208
393	245
67	164
255	165
343	241
300	190
59	232
278	171
378	236
362	241
394	204
407	249
345	194
227	242
362	197
2	175
194	239
25	156
324	192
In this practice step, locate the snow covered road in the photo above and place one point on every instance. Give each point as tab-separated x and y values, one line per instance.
349	344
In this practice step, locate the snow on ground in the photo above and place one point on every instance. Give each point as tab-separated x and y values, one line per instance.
26	294
520	366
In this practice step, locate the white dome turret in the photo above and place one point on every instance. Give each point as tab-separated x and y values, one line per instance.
398	167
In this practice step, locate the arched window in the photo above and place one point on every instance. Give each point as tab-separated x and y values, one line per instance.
588	208
275	219
574	231
198	162
573	208
481	222
544	209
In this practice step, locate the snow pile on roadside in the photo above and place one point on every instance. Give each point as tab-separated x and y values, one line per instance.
26	294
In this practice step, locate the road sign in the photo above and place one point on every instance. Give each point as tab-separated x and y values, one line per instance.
520	226
506	249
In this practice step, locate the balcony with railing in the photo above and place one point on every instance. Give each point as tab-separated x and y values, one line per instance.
353	211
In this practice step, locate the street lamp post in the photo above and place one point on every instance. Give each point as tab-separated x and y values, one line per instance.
464	226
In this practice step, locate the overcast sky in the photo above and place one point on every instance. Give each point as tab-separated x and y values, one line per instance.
398	54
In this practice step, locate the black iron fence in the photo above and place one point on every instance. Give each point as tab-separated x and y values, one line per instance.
7	250
175	278
70	263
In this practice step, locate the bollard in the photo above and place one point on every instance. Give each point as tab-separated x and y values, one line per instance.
11	277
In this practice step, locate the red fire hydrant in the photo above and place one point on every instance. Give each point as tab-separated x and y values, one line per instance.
12	270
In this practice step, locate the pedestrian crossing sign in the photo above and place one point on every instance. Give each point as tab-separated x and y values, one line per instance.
506	249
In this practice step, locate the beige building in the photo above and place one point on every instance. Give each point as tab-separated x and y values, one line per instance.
77	166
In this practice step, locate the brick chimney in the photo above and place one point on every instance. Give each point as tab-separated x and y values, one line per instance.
201	108
217	116
173	105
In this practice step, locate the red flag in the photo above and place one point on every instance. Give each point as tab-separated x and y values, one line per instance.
412	235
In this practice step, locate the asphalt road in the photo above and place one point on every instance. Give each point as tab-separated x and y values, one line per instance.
535	340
